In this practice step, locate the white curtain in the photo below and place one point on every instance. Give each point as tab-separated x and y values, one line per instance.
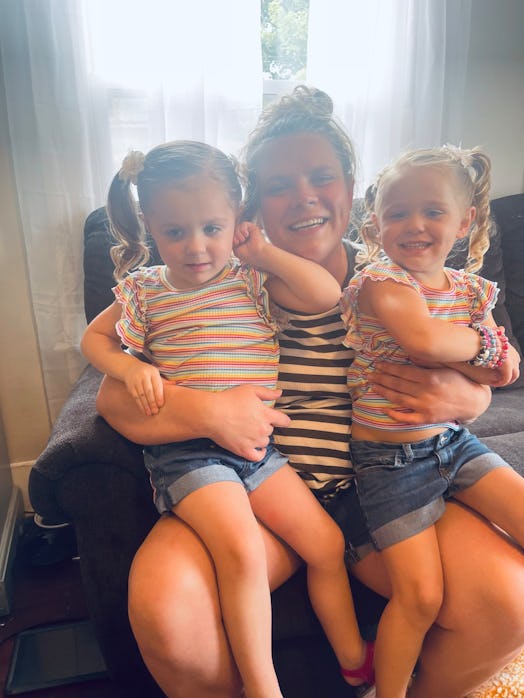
86	80
395	69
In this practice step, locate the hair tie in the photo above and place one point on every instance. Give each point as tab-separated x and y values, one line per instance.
464	158
132	165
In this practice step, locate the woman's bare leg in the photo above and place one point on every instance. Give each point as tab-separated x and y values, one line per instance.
480	627
175	613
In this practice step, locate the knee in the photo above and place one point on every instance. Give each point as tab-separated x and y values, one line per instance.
330	548
422	601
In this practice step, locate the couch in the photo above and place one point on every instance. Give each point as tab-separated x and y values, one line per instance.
94	478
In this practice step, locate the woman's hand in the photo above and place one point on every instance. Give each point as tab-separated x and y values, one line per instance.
432	395
239	420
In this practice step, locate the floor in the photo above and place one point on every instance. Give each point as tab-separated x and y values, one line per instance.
43	594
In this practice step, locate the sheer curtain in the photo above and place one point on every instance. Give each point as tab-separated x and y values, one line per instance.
395	69
86	81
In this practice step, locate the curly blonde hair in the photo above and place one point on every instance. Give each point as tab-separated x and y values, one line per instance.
471	170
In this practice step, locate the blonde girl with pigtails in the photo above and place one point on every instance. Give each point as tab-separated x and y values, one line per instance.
405	305
203	320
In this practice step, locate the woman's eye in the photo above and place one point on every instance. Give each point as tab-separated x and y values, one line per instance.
275	188
319	180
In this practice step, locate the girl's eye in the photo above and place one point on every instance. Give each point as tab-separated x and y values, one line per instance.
211	229
434	213
396	215
175	234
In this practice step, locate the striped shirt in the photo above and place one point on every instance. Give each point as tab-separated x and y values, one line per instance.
209	338
468	299
313	369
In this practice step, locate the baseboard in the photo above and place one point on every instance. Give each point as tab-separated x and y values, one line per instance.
8	540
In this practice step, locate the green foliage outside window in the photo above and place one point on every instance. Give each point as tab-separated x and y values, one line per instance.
284	25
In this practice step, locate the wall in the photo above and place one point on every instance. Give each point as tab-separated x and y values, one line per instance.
494	95
493	118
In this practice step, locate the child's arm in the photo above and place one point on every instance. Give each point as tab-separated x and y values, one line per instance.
405	315
295	283
101	346
496	377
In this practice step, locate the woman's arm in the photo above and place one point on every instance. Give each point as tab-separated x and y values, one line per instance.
237	419
295	283
432	395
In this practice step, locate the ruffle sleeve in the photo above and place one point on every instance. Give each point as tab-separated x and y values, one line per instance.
255	281
378	271
131	328
482	294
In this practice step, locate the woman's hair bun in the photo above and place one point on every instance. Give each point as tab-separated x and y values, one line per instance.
314	100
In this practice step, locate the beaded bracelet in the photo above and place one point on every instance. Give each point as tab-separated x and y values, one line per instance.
493	346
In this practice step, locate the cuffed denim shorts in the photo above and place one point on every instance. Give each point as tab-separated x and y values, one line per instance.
177	469
344	507
403	487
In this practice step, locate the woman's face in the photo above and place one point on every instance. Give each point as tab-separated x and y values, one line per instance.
305	198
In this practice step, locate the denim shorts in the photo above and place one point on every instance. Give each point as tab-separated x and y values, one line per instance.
403	487
177	469
344	507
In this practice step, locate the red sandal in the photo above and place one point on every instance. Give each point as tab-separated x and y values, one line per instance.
365	671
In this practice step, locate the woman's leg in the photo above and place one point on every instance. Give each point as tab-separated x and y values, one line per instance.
287	507
175	610
499	496
480	627
415	571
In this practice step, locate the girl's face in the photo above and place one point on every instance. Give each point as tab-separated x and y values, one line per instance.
419	216
305	198
192	223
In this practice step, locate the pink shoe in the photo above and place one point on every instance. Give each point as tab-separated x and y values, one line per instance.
365	671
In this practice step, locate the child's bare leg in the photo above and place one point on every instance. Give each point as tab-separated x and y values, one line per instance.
415	572
221	515
287	507
498	496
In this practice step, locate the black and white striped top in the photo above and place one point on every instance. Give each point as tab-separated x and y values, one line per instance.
313	378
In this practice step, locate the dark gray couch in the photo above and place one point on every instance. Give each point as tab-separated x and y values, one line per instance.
94	478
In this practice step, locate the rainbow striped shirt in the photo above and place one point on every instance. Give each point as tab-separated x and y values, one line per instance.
468	299
209	338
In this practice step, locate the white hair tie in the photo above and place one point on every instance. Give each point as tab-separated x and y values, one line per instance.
132	165
465	159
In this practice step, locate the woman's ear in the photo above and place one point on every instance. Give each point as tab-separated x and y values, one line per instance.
466	222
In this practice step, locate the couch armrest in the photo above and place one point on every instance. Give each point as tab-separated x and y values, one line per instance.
79	436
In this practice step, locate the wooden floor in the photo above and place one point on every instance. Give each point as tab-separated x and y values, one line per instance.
41	595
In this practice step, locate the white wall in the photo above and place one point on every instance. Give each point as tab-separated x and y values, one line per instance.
493	119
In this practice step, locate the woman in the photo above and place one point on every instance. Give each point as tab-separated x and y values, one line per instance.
300	184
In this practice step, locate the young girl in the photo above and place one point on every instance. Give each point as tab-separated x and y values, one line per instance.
204	321
406	305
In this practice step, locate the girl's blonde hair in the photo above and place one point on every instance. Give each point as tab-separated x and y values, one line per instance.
305	110
471	170
167	164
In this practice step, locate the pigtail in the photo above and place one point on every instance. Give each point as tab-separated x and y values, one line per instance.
480	169
367	245
130	250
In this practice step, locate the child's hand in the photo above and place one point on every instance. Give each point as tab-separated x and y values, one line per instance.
145	385
249	242
508	372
